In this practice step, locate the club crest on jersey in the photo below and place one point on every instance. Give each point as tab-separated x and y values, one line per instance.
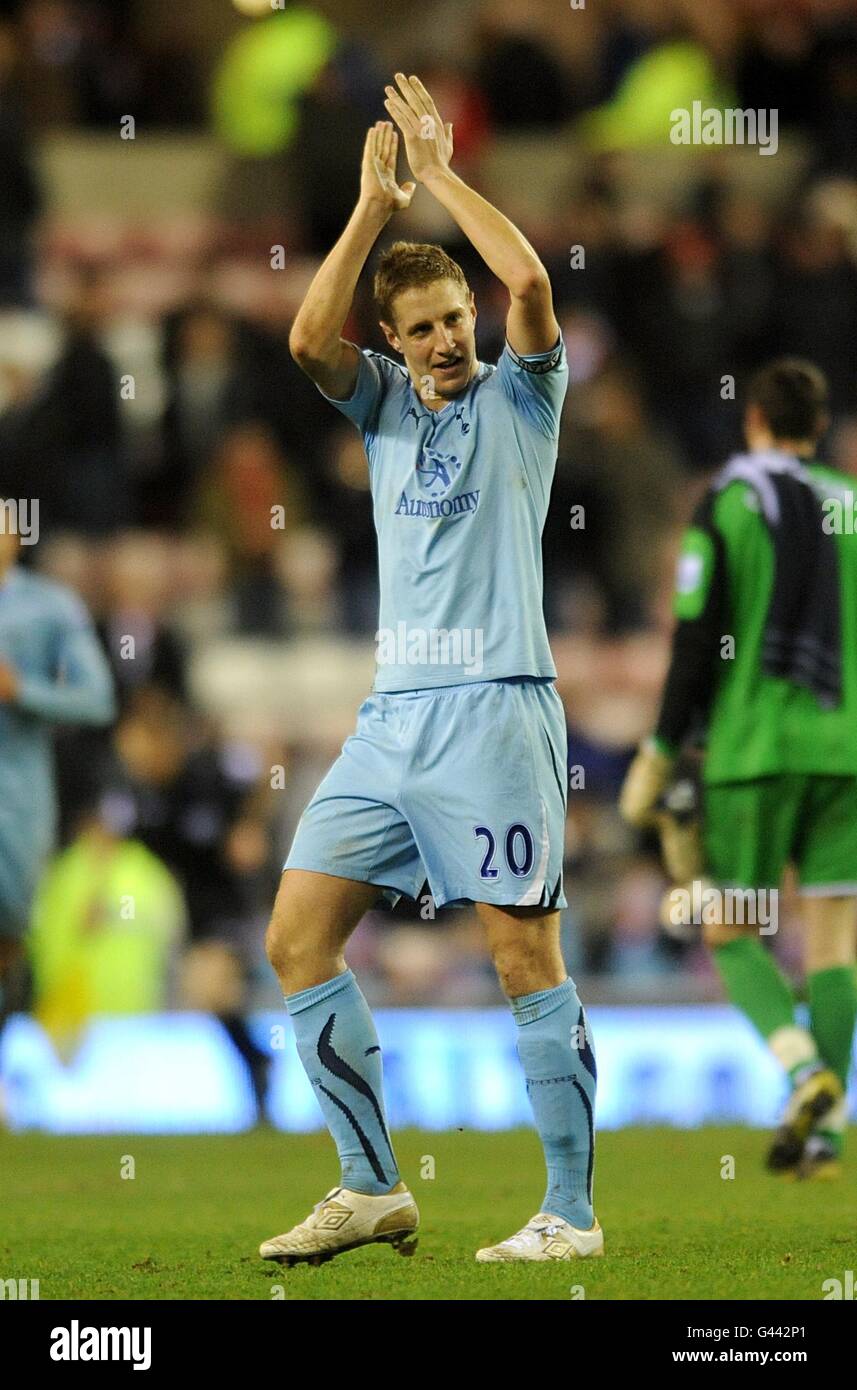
437	472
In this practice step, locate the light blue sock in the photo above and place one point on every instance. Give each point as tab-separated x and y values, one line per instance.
339	1048
555	1048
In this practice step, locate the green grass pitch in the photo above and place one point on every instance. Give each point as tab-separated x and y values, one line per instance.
188	1224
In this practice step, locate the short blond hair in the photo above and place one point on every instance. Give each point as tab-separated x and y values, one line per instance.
408	265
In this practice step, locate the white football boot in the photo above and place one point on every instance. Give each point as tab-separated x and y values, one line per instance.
547	1237
343	1220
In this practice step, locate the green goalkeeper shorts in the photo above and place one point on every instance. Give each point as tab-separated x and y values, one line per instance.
752	830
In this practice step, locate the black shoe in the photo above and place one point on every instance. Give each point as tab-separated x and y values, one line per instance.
809	1104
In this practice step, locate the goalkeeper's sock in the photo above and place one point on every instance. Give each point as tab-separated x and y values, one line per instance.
756	986
555	1049
832	1017
339	1048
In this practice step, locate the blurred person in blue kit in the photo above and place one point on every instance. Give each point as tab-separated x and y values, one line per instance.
52	671
194	803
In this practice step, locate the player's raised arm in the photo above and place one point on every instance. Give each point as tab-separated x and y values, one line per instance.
531	326
315	340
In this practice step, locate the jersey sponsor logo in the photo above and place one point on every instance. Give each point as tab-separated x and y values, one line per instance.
448	506
436	472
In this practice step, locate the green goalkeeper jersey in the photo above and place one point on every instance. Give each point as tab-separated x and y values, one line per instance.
758	725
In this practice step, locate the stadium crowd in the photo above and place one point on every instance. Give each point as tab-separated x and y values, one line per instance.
208	505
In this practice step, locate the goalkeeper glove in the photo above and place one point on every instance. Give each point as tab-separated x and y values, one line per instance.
644	784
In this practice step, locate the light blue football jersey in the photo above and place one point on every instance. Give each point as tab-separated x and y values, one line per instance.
460	497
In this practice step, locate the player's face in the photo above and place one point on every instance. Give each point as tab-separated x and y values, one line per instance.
435	333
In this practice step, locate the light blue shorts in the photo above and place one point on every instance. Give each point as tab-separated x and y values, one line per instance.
463	785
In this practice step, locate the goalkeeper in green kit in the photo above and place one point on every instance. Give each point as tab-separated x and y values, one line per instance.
764	666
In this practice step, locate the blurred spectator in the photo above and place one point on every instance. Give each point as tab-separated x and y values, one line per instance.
345	97
678	319
523	85
221	372
206	394
21	202
835	114
265	69
778	64
673	74
249	499
307	562
626	479
61	438
196	805
747	274
816	305
591	223
143	650
349	513
107	921
93	62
